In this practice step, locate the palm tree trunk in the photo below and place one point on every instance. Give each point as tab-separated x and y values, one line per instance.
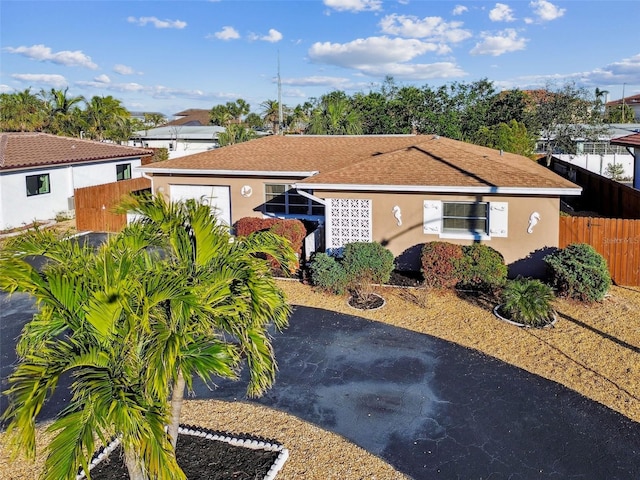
177	397
134	466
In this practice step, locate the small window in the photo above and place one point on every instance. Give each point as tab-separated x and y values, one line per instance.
123	172
462	217
38	184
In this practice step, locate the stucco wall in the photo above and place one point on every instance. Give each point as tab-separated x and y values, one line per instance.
406	240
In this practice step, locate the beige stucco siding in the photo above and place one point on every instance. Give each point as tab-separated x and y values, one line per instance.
241	205
403	239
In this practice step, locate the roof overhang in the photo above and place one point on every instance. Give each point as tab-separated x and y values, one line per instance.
553	192
227	173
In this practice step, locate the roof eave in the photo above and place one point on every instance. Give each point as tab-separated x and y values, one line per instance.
227	173
541	191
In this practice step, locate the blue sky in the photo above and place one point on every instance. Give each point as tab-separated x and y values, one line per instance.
168	56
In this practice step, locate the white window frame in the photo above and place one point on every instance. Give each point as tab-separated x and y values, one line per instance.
497	221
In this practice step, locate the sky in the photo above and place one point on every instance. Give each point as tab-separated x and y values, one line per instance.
168	56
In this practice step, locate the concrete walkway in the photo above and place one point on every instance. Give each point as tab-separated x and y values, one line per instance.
430	408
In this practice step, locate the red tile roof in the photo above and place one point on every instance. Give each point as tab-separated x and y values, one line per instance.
392	160
627	141
31	150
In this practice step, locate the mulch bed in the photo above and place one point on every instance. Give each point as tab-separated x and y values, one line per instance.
201	459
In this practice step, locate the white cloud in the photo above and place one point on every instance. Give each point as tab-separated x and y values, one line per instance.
354	5
499	44
380	56
318	81
42	53
546	11
5	88
227	33
501	13
433	28
56	81
103	79
459	10
156	22
123	69
273	36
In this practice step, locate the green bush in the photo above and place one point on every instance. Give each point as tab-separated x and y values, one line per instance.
579	272
327	273
367	261
481	267
439	264
528	301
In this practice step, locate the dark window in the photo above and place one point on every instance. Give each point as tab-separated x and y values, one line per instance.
123	172
38	184
282	199
459	217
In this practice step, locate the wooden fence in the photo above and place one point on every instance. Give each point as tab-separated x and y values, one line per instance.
617	240
599	194
94	205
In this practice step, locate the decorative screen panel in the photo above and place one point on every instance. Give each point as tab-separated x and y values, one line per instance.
348	221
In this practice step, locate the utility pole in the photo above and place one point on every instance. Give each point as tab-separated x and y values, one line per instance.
624	117
280	120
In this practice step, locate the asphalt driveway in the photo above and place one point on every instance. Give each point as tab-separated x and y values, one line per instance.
430	408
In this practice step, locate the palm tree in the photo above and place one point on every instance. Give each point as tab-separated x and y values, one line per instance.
104	114
228	292
271	114
60	109
22	112
220	115
335	116
238	109
96	309
235	134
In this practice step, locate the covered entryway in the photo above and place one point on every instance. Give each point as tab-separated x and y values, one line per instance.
217	196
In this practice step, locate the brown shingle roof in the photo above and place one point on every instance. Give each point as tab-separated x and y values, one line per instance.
193	116
627	141
30	150
394	160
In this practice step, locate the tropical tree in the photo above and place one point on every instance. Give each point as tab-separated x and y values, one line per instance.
235	133
96	311
271	114
22	112
511	137
253	120
62	111
334	115
238	109
104	116
234	296
152	120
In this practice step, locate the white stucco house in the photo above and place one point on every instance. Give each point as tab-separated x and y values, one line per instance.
39	172
179	140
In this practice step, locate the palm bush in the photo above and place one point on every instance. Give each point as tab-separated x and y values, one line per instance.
528	301
579	272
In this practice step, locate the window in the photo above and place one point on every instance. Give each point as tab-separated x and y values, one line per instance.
466	220
459	217
282	199
38	184
123	172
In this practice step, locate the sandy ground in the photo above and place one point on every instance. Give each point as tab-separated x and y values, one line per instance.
593	349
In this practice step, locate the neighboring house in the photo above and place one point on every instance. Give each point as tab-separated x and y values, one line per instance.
628	142
39	172
193	117
179	140
400	190
633	102
595	156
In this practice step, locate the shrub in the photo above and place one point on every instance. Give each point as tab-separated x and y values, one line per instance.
528	301
439	264
579	272
366	263
247	225
327	273
291	229
481	267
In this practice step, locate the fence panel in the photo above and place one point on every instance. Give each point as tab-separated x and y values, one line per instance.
94	205
617	240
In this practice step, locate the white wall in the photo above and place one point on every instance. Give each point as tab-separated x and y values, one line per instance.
100	173
598	163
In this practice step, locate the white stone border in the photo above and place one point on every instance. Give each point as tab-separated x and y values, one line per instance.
238	442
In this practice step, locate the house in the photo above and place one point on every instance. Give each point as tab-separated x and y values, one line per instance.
179	140
629	142
194	117
632	101
596	155
400	190
39	172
